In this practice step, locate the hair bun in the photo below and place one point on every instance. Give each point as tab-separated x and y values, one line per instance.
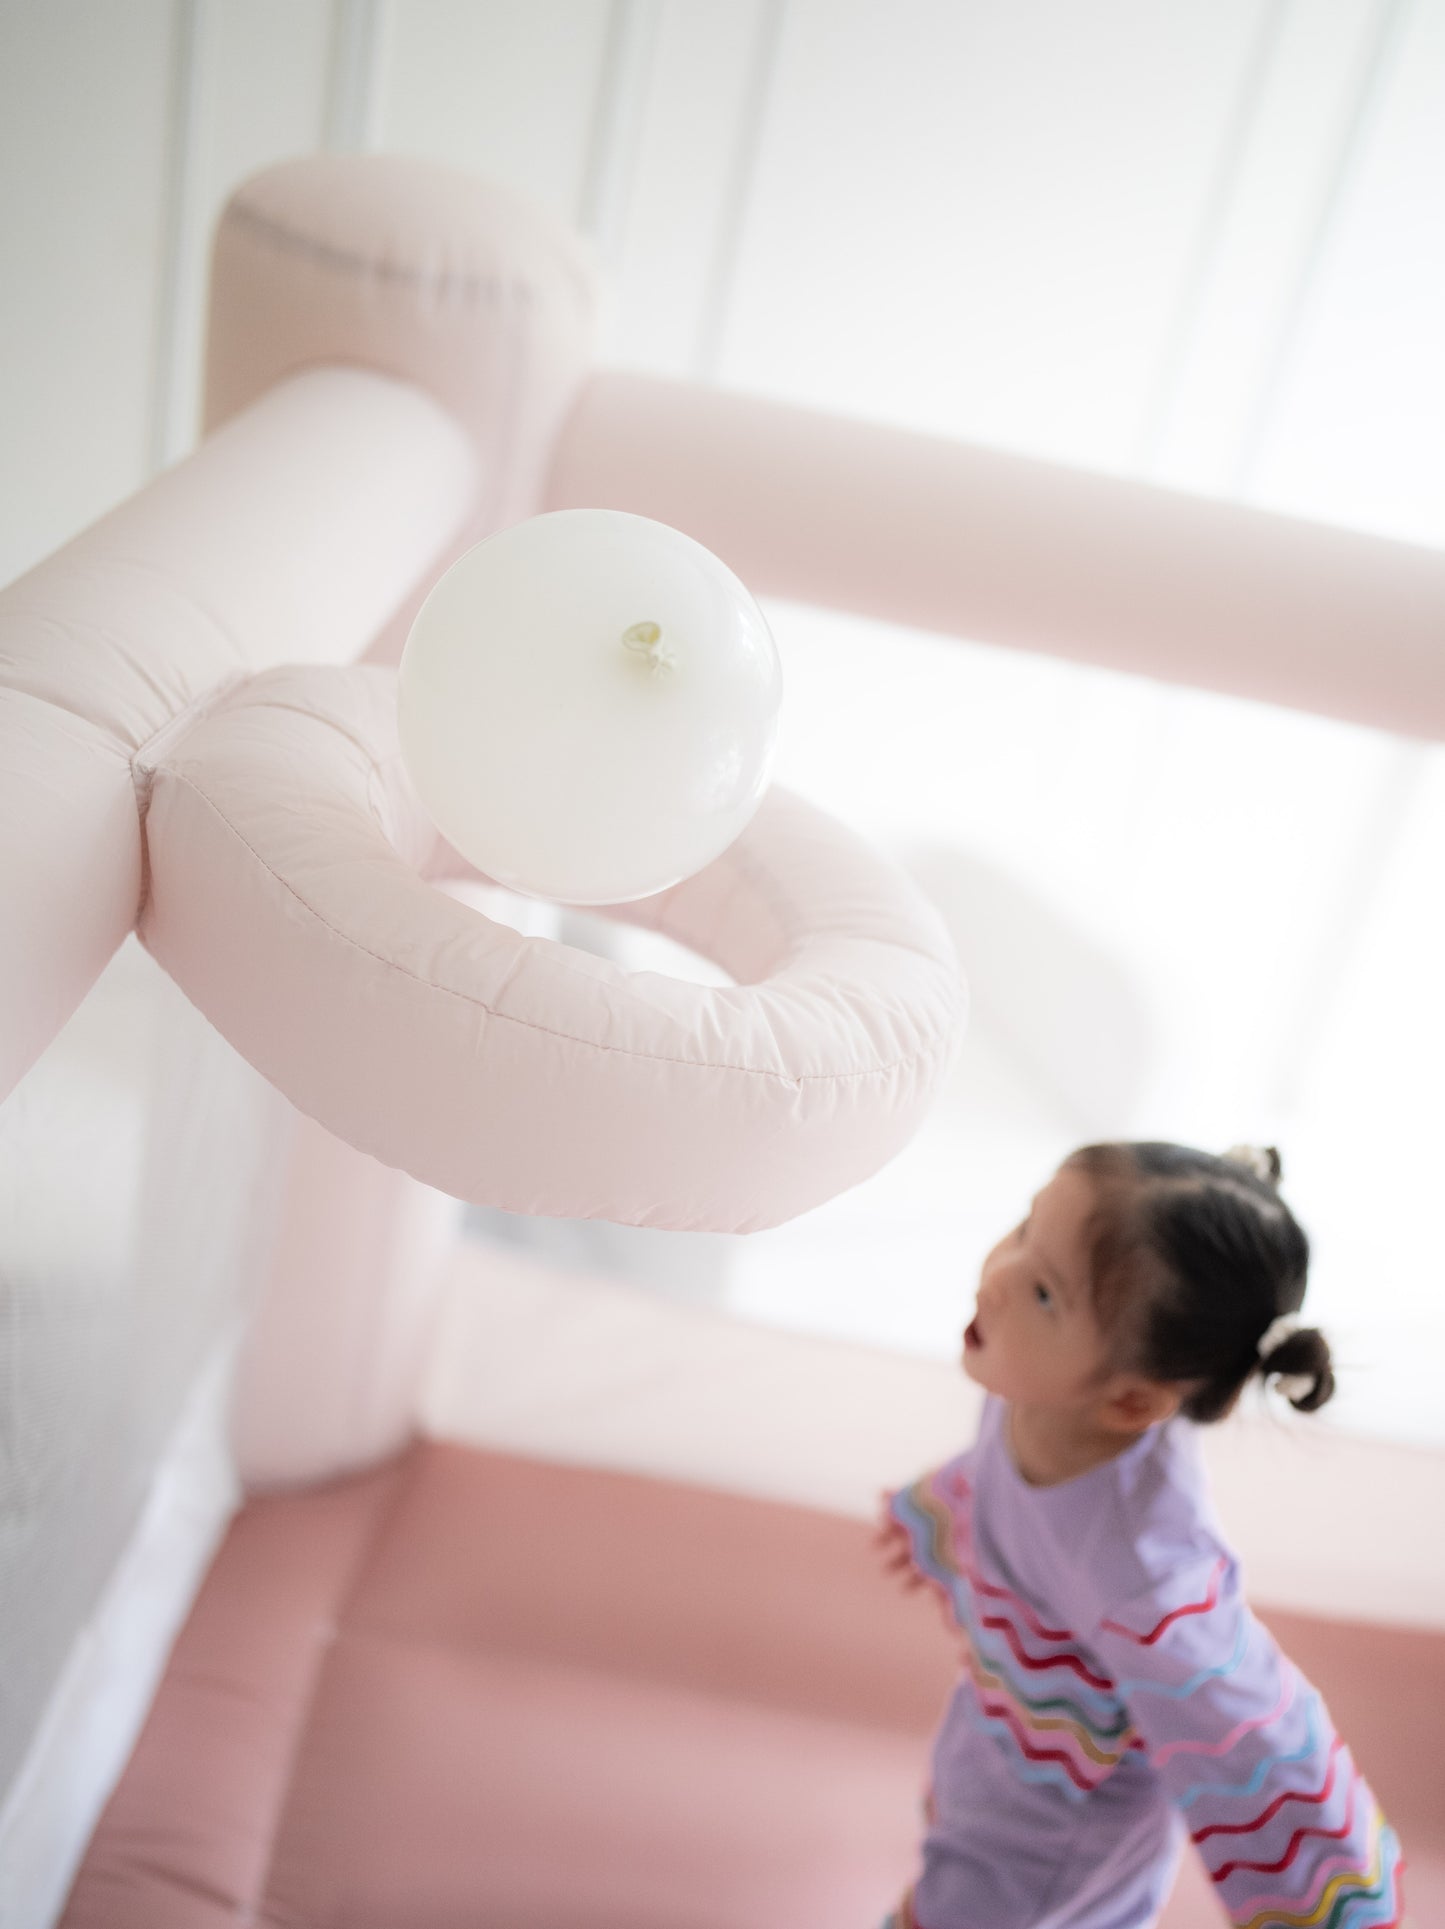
1262	1160
1297	1359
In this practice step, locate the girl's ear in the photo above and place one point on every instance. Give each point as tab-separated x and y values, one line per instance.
1132	1403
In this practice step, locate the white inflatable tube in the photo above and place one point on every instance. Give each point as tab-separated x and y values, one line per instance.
290	899
978	543
293	532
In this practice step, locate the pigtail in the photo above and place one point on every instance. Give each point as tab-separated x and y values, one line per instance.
1262	1160
1298	1362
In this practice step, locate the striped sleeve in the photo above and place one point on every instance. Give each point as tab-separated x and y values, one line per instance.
1286	1824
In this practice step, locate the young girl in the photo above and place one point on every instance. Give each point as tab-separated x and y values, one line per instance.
1116	1690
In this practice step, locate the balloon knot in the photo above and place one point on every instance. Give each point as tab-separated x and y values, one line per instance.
646	640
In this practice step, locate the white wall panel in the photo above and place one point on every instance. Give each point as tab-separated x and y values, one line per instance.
1255	287
975	219
693	166
1196	841
267	78
84	117
1352	429
1372	1134
503	88
258	94
1358	432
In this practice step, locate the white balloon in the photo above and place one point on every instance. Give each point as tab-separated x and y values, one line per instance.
588	706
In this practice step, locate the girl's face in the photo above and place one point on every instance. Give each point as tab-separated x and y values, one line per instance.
1034	1340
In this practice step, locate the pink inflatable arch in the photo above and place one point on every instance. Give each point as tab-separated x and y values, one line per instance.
289	895
285	865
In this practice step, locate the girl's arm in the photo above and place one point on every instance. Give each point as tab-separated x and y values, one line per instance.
1275	1803
916	1534
894	1548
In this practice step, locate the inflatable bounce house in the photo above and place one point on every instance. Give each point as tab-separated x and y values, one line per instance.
368	1576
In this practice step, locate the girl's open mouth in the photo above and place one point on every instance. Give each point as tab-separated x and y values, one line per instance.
971	1335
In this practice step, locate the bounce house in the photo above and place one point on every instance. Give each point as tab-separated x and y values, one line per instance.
369	1576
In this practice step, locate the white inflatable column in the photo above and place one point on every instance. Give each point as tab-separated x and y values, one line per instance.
470	291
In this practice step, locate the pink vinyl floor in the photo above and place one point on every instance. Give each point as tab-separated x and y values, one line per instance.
471	1691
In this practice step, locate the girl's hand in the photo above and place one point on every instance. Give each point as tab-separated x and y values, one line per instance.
890	1538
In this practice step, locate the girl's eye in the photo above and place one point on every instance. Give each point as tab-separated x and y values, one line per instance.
1042	1294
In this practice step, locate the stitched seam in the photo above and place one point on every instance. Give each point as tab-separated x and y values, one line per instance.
109	738
120	648
182	720
301	1727
346	261
398	1635
530	1024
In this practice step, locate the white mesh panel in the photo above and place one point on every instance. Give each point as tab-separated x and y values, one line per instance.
137	1168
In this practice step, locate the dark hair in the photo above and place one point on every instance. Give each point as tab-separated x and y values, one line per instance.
1194	1259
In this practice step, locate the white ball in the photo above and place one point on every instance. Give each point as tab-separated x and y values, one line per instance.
588	706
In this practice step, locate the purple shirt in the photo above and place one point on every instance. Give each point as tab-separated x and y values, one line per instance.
1116	1695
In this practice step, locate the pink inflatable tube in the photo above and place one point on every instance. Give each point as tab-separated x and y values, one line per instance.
294	531
290	897
976	542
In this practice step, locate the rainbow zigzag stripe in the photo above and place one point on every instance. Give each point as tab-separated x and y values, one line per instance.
1031	1683
1038	1688
903	1916
1347	1897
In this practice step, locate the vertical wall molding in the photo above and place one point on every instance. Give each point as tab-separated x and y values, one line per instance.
360	33
177	280
1209	240
617	122
1356	129
733	213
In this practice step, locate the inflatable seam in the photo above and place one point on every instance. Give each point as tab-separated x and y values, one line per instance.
346	261
761	881
796	1079
514	300
324	1640
110	738
147	756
